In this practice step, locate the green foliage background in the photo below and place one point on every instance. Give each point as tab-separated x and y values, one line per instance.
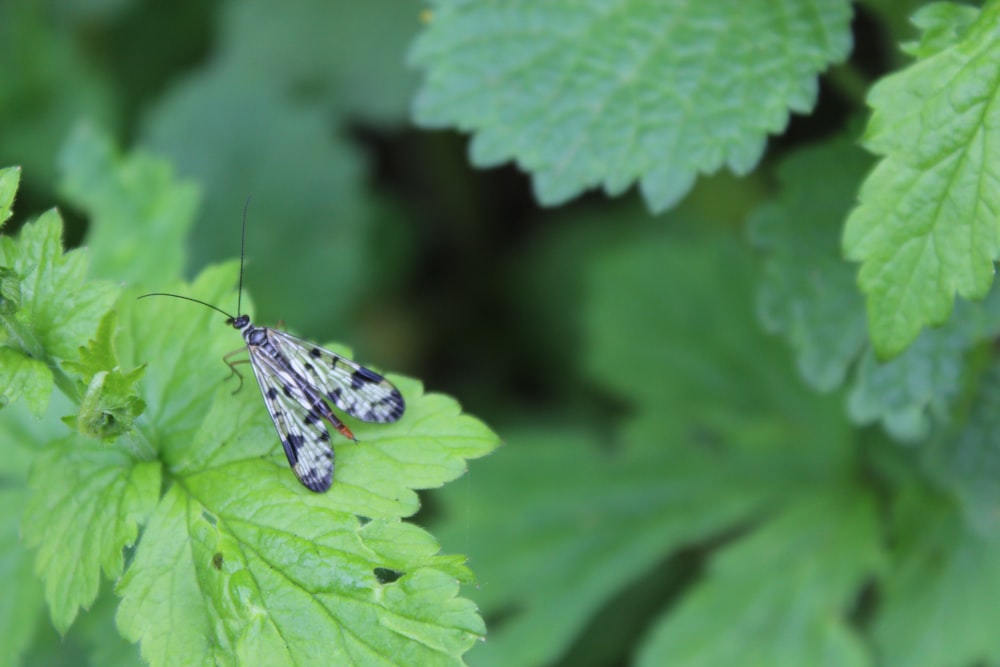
719	276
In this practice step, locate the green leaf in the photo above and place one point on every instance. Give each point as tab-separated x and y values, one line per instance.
59	307
9	179
716	445
109	406
99	354
140	214
663	332
24	377
943	581
926	226
22	600
584	94
348	54
262	572
581	526
923	382
240	560
942	24
111	400
88	500
798	575
808	292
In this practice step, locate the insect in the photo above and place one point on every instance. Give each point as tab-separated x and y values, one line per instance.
297	379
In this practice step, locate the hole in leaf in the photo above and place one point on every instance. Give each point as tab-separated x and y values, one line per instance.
386	575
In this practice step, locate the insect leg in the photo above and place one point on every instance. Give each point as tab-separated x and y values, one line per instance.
232	367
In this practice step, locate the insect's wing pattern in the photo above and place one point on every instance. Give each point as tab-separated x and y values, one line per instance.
356	390
299	424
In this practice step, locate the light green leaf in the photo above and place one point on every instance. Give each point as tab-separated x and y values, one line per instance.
943	581
583	93
99	353
263	565
111	400
88	500
21	604
260	573
942	24
808	292
140	214
10	177
109	406
795	578
926	227
59	307
24	377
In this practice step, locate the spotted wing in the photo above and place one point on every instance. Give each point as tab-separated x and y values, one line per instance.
298	420
356	390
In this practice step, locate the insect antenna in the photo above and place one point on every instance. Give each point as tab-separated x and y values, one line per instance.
188	298
243	245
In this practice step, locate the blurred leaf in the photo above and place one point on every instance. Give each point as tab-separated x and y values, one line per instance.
926	227
307	229
24	377
896	17
718	442
965	458
944	581
140	214
584	524
921	382
88	500
942	24
21	602
350	54
219	572
683	332
48	85
585	94
10	177
95	10
793	581
808	292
